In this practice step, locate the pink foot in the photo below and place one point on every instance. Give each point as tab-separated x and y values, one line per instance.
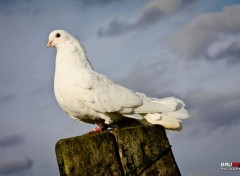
98	129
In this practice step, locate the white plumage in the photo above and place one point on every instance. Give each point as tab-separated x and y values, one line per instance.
91	97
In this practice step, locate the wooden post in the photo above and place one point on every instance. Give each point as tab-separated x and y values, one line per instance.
141	150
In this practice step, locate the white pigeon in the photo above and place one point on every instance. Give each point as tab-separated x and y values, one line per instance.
88	96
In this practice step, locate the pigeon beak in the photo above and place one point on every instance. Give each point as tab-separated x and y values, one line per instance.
49	44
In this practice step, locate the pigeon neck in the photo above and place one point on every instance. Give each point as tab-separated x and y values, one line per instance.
74	57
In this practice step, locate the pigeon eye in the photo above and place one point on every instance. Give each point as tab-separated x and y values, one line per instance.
58	35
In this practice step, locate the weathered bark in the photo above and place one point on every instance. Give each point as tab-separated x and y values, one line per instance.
88	155
142	150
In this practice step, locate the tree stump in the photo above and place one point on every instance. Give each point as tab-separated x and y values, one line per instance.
141	150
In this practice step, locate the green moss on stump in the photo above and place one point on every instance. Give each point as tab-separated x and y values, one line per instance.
115	153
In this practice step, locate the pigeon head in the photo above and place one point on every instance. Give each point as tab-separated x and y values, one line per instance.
57	37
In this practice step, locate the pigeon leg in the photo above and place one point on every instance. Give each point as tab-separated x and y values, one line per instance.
99	129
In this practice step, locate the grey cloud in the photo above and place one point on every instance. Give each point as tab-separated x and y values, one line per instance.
227	47
194	38
151	77
115	27
98	2
211	110
153	12
34	7
10	3
7	98
11	141
149	17
15	165
15	6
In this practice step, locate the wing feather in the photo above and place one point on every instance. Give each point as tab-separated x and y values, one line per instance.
104	95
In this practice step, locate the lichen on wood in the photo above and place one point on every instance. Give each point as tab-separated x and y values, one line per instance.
88	155
116	152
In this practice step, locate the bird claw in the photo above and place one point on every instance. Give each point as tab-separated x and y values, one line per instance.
98	129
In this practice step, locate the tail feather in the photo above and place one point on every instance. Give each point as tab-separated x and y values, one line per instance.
169	114
179	114
164	120
153	105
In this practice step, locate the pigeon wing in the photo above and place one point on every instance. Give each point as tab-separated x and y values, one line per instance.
103	95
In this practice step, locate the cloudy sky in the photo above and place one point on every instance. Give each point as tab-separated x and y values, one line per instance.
186	48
